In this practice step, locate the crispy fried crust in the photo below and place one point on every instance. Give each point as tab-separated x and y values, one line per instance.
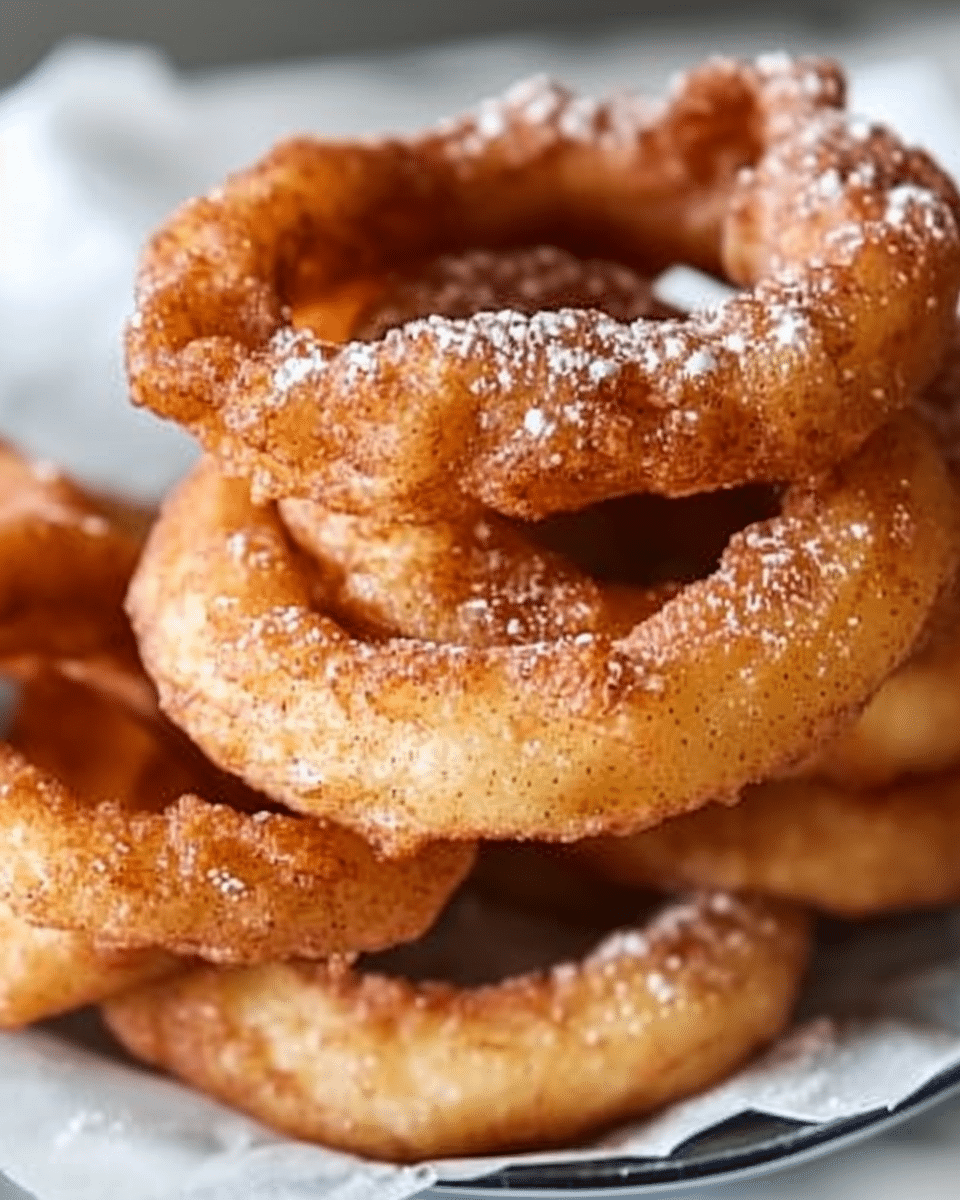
848	241
846	852
106	835
398	1070
405	740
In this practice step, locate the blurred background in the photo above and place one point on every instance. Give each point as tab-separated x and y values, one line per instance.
212	33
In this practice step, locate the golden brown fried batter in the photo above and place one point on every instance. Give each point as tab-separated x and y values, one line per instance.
65	561
405	740
851	853
396	1069
847	241
44	972
114	829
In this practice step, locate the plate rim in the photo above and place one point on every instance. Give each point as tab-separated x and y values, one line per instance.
633	1176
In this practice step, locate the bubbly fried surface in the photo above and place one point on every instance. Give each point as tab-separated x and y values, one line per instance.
405	740
117	830
395	1069
851	853
848	242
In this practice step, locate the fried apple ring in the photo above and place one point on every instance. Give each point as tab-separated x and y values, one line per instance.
393	1069
848	241
406	740
850	853
485	583
44	972
115	831
489	580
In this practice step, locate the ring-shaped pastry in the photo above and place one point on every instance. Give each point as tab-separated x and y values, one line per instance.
403	1070
846	241
407	740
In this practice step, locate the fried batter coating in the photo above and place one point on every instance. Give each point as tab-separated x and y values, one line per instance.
850	853
115	829
403	1070
912	725
44	972
847	242
65	561
405	740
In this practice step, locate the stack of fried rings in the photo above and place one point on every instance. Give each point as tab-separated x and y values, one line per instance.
113	861
426	666
389	648
112	855
127	854
851	243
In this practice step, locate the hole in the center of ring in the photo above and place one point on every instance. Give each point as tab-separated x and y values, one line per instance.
638	540
647	539
525	908
527	279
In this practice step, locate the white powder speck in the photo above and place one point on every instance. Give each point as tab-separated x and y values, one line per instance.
700	362
660	988
789	329
225	883
304	774
534	422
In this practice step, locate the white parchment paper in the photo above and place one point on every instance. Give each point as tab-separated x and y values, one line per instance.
96	147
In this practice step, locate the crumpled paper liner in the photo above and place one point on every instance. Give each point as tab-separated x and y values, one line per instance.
879	1017
95	147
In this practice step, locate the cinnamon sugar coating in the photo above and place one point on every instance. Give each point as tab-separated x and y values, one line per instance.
405	740
65	561
117	831
393	1069
849	852
44	972
847	242
912	725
